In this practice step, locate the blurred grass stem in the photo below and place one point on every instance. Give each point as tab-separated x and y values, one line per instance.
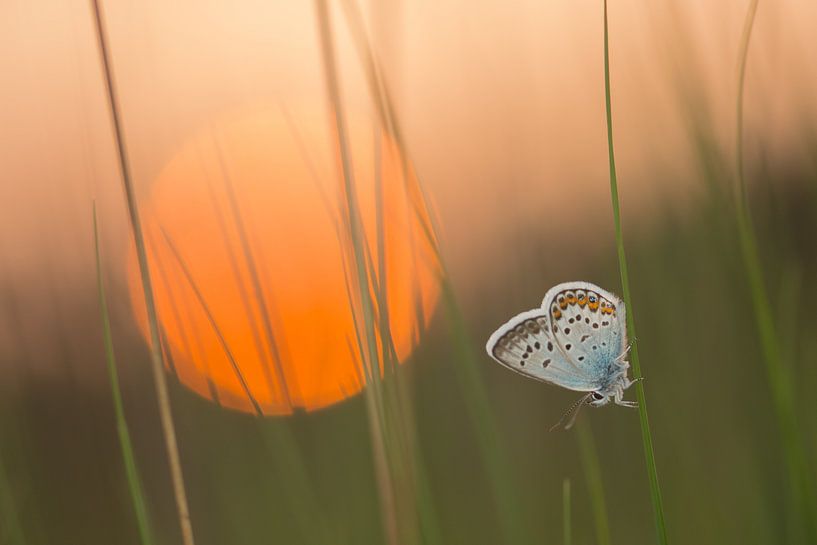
592	474
11	531
800	479
131	471
354	223
160	383
567	532
472	386
646	435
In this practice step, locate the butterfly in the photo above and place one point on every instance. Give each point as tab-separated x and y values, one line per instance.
577	340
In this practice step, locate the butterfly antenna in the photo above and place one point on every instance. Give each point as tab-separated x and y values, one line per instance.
572	413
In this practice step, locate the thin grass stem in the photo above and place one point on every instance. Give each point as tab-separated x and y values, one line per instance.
11	530
567	530
495	458
801	482
277	436
592	474
373	393
244	295
306	510
471	383
157	365
131	471
646	434
255	280
188	276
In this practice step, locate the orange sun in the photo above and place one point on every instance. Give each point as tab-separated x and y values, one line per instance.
249	256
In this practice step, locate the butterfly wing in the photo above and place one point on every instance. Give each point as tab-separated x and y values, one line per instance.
588	324
525	345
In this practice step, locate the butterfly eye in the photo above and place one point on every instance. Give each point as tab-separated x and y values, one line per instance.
597	396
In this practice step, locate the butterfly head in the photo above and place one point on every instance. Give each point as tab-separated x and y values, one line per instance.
597	399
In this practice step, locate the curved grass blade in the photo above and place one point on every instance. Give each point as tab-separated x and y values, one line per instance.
472	386
801	481
134	482
363	297
11	531
157	364
277	436
567	531
592	474
646	434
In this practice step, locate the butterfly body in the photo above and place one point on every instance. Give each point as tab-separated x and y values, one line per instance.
577	339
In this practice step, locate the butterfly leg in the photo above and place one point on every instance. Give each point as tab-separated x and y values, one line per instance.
631	382
618	398
623	355
620	359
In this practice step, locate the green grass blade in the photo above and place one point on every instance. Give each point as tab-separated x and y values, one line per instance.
646	434
358	261
567	531
801	481
11	530
592	474
496	461
472	387
282	445
156	358
131	471
277	436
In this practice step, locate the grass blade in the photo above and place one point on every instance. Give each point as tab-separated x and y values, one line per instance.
592	474
134	482
188	276
468	375
567	531
495	458
646	434
11	531
801	483
157	365
263	302
358	261
277	436
292	473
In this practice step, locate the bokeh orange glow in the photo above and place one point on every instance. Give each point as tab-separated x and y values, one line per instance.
246	247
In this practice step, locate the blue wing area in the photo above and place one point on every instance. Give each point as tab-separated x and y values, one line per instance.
525	345
588	324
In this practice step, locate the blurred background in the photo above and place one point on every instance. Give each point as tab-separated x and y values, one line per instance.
501	111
